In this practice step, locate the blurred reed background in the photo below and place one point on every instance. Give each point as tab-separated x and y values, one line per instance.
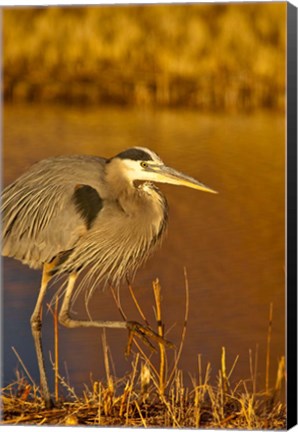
212	57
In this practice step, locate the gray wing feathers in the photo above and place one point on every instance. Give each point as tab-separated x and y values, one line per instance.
40	218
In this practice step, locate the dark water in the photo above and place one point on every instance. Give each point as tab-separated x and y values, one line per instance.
232	244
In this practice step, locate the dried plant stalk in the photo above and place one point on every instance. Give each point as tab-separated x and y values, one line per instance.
268	347
162	354
107	363
137	304
183	334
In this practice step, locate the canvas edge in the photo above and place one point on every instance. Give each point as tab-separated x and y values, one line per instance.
291	229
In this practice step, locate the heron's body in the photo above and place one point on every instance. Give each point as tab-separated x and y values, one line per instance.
83	217
73	214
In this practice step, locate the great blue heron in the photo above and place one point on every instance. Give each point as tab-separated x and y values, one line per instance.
74	214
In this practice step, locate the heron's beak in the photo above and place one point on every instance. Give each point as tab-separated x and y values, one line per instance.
169	175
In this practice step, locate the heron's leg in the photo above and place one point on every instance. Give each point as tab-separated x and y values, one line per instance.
36	332
67	321
133	327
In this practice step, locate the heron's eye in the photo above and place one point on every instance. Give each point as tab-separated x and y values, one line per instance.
144	165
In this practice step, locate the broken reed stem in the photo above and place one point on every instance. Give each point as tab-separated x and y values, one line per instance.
183	334
268	347
253	368
200	369
56	349
140	414
157	297
280	374
233	366
137	304
133	376
224	377
118	303
106	361
23	366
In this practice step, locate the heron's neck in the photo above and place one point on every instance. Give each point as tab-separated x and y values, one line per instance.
147	206
144	205
117	183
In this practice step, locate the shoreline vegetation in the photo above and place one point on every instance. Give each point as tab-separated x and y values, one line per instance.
205	56
153	395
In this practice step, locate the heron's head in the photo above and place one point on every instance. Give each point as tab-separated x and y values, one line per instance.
139	163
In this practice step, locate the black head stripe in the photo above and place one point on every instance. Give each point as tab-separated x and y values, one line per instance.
135	154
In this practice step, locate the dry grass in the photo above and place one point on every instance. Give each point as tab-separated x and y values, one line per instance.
149	396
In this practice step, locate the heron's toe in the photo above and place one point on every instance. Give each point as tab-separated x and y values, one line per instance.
144	332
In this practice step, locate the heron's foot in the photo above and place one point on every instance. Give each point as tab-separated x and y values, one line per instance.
49	404
144	332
